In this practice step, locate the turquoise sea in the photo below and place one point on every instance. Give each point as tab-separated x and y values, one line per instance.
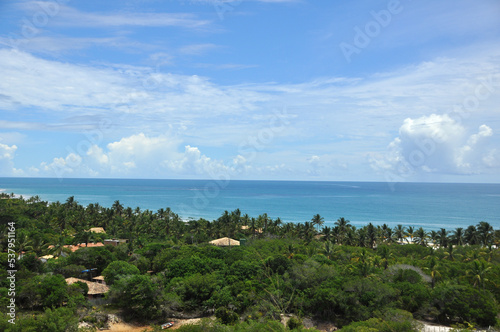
430	205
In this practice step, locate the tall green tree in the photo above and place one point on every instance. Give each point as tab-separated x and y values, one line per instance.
318	221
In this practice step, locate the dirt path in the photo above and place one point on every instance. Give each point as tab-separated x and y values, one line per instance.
124	327
179	322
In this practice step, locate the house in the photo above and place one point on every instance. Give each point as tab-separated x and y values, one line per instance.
75	247
225	242
97	230
256	230
96	290
114	242
45	258
99	280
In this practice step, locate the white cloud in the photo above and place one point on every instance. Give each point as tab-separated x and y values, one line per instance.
7	152
55	87
436	144
139	152
343	118
60	45
68	16
137	156
239	160
194	162
472	152
97	154
6	156
61	167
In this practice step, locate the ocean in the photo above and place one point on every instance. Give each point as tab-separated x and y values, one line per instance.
428	205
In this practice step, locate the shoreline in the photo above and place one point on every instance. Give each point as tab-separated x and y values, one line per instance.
356	224
431	207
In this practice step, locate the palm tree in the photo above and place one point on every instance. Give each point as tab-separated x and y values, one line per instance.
263	221
194	227
328	249
308	231
485	231
389	237
433	235
433	269
371	235
458	236
385	254
343	226
318	221
245	219
327	234
38	246
399	233
71	203
410	232
59	247
23	242
478	273
84	236
129	213
117	208
288	230
443	237
421	236
471	235
350	236
362	238
450	252
276	225
253	226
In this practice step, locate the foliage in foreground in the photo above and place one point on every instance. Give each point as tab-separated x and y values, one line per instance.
360	279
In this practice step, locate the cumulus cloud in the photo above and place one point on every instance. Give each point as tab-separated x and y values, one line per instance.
437	144
342	118
60	167
96	154
137	155
6	156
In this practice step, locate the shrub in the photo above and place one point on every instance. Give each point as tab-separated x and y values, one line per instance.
118	269
463	303
294	323
226	316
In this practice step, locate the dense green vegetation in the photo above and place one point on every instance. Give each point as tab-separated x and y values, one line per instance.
361	279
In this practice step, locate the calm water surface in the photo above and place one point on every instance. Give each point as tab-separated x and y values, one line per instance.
430	205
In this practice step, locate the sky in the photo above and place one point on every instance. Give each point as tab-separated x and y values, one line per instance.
251	89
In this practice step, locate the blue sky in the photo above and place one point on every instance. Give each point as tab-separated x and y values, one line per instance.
251	89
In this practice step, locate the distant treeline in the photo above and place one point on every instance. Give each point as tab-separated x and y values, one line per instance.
145	225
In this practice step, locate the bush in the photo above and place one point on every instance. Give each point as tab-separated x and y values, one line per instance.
118	269
226	316
45	291
294	323
463	303
93	257
136	294
377	324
